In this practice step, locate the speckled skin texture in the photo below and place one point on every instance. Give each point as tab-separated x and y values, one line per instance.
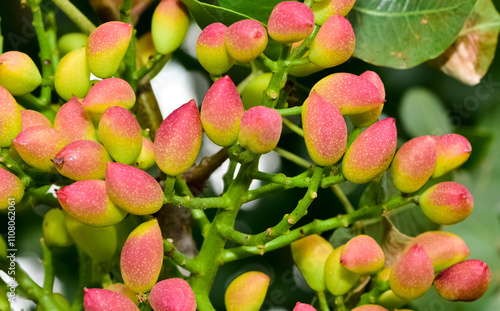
443	248
31	118
72	77
11	187
73	122
169	25
247	292
325	131
87	202
18	73
350	93
96	299
142	257
83	159
452	151
121	134
362	255
38	144
146	158
106	48
132	189
10	118
221	112
172	295
338	279
303	307
260	129
178	140
211	50
371	116
245	40
447	203
371	153
369	308
323	10
310	254
334	43
412	274
107	93
464	281
413	164
290	22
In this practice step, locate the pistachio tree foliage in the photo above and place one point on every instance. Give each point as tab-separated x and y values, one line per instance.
119	168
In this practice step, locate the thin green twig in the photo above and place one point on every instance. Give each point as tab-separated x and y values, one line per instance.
323	303
293	157
48	278
76	16
293	127
290	111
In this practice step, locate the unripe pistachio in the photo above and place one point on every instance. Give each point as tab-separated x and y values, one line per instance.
384	274
178	140
303	307
362	255
323	10
146	158
87	202
390	301
211	50
71	41
350	93
55	232
325	131
247	292
11	189
97	242
106	48
97	299
72	77
334	43
73	122
443	248
121	134
221	112
108	93
10	118
38	144
253	93
18	73
310	254
172	295
371	116
124	290
447	203
338	279
33	118
452	151
145	49
369	308
133	190
245	40
464	281
290	22
260	129
82	159
413	164
142	257
412	274
169	25
371	153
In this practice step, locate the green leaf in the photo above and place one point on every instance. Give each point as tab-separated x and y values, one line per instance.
422	113
405	33
206	14
257	9
470	56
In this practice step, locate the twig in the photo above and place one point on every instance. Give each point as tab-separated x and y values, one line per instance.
293	127
48	278
76	16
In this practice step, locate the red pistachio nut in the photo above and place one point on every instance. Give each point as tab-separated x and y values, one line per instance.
11	189
73	122
169	25
413	164
371	153
106	48
325	131
97	299
221	112
362	255
245	40
72	77
303	307
178	140
247	291
323	10
464	281
18	73
211	50
142	257
412	274
33	118
10	118
290	22
172	295
146	158
369	308
452	151
371	116
447	203
338	279
260	129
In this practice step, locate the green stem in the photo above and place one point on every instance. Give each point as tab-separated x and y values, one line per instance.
125	11
339	302
304	47
76	16
11	164
323	304
84	272
290	111
278	79
228	177
371	297
198	215
343	199
48	278
298	62
1	37
177	257
293	127
268	62
52	36
197	203
152	62
292	157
